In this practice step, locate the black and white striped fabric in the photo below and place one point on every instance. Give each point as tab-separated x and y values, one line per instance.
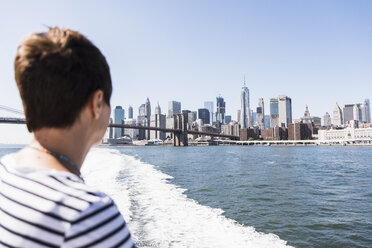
49	208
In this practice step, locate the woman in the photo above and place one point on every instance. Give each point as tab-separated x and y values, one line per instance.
65	85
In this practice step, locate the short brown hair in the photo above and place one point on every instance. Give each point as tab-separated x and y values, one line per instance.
56	73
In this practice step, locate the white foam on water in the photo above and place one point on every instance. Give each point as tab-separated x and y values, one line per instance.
158	213
100	170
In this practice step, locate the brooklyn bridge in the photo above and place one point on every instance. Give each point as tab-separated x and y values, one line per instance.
180	131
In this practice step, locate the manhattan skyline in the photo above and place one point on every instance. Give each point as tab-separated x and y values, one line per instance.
318	53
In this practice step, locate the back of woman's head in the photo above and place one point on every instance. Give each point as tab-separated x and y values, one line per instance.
56	73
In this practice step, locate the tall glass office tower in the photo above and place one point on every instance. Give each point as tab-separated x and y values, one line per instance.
245	116
209	105
285	110
221	108
118	119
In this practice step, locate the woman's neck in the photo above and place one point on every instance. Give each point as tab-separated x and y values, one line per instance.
73	143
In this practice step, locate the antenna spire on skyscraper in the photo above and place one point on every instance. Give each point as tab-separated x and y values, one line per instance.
244	81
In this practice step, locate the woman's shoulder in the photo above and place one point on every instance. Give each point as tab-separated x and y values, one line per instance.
61	202
64	189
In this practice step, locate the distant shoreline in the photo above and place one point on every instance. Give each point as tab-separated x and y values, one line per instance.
236	144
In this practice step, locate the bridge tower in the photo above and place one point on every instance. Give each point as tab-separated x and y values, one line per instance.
180	123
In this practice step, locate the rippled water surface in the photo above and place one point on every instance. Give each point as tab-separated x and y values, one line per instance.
308	196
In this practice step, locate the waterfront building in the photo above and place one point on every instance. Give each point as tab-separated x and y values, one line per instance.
275	133
260	114
337	119
204	114
210	106
130	112
248	133
346	134
131	132
327	122
274	112
285	110
230	129
119	115
221	107
245	110
174	108
300	131
157	120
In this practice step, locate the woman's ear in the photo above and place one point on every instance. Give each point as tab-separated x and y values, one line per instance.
97	103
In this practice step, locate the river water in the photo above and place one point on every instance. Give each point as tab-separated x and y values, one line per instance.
233	196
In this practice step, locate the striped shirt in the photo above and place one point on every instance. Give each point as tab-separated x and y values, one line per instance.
49	208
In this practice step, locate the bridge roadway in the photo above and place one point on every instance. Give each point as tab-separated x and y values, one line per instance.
167	130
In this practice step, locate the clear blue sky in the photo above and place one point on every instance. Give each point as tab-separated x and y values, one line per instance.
317	52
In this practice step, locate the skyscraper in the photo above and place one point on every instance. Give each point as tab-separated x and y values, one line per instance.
209	105
141	110
327	120
204	114
191	117
337	116
148	115
367	107
228	119
119	115
174	108
245	110
130	112
285	110
158	120
148	109
220	114
357	112
158	109
274	112
267	121
260	114
348	113
142	121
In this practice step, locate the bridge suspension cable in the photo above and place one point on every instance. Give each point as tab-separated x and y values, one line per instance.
11	110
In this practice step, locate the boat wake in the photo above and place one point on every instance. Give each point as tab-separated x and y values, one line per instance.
158	213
